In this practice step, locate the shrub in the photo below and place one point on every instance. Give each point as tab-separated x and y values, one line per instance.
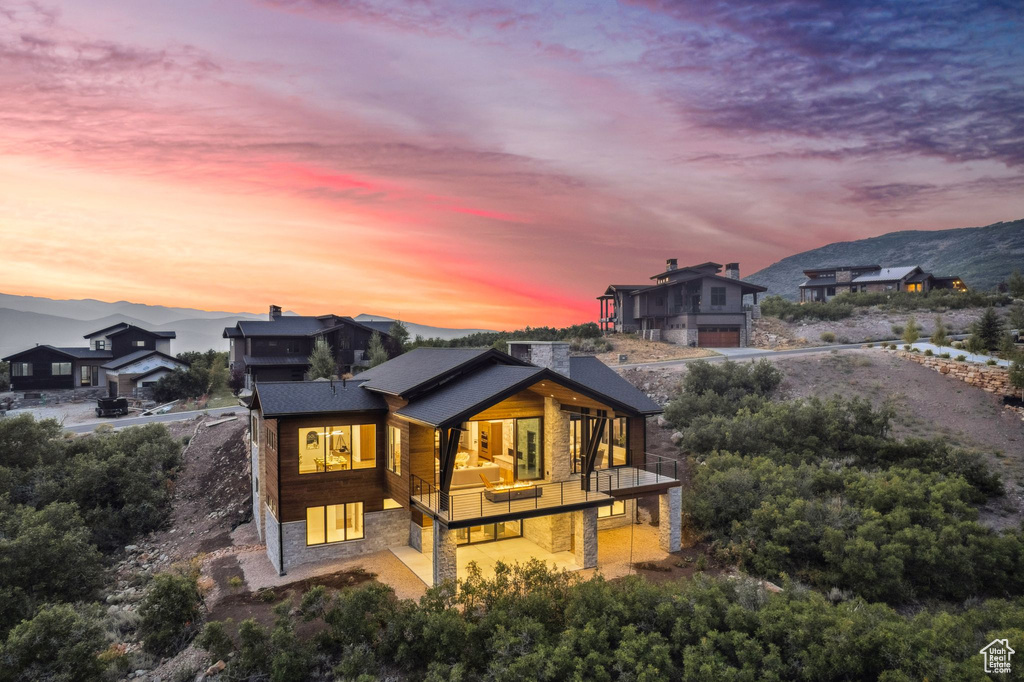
828	337
897	330
928	352
215	639
906	346
912	332
944	355
939	334
988	329
892	346
170	612
990	361
957	344
870	345
776	306
961	358
60	642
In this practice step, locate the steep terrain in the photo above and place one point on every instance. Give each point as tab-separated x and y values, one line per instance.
982	256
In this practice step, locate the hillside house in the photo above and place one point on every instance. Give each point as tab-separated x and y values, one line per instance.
824	283
693	306
117	357
278	349
443	448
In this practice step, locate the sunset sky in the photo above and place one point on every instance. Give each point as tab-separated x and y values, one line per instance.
484	164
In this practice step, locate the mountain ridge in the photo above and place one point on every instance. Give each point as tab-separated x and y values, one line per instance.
981	256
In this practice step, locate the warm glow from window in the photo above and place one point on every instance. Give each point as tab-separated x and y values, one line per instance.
334	523
337	448
391	504
618	508
393	453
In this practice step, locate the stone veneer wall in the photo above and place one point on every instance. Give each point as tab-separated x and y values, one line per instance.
682	337
445	553
551	533
270	525
584	541
670	519
253	477
989	378
421	537
556	441
382	530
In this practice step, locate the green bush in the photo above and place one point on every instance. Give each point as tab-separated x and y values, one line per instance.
215	639
897	330
828	337
588	330
936	300
944	355
961	358
928	352
60	643
776	306
722	388
991	362
170	612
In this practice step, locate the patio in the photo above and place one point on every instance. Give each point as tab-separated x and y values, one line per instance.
486	555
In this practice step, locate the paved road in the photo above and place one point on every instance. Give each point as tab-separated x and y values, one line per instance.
120	422
755	353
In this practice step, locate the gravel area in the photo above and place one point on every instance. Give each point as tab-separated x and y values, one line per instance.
65	413
639	350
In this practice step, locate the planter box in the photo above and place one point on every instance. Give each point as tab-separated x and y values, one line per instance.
513	494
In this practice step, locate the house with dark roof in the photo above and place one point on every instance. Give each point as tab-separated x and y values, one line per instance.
441	449
278	348
695	305
102	363
824	283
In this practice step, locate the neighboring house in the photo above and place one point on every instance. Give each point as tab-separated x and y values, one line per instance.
693	306
48	367
824	283
442	448
134	374
278	349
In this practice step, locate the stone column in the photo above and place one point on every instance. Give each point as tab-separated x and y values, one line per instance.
670	519
584	545
557	460
445	563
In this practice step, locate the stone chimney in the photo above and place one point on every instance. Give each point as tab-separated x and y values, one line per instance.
275	312
551	354
732	270
671	264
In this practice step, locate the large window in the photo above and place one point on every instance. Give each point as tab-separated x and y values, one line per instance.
337	448
718	296
618	508
60	369
497	450
21	369
334	523
609	454
393	455
529	449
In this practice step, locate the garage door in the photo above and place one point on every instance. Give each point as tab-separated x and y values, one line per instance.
718	337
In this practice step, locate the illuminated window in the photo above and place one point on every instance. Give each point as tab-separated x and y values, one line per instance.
60	369
393	454
915	286
618	508
139	344
334	523
616	456
21	369
391	504
337	448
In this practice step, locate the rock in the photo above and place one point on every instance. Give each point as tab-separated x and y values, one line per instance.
677	437
131	548
662	422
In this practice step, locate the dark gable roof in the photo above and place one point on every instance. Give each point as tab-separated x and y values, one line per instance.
613	288
843	267
124	360
293	325
382	326
464	396
163	335
105	330
283	398
232	332
599	377
697	267
745	286
76	353
421	367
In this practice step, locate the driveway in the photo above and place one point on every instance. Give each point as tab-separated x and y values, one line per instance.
121	422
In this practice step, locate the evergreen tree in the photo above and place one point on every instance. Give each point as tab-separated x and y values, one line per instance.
376	350
1017	376
911	333
1015	284
321	360
987	330
940	337
1016	316
399	333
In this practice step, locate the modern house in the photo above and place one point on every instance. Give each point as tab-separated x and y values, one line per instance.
693	306
123	357
278	349
824	283
440	449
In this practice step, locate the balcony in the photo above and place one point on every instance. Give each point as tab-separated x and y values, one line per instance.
524	500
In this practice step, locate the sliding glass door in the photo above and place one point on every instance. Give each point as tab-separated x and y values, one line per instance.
529	460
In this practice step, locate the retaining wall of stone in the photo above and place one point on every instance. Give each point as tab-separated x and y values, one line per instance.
989	378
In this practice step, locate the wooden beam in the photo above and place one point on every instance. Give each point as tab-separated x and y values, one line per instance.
591	440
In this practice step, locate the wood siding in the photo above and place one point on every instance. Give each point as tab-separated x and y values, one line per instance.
42	377
299	491
123	344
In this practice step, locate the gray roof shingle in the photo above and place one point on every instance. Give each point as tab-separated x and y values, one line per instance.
124	360
419	366
275	360
281	398
599	377
85	353
467	392
286	325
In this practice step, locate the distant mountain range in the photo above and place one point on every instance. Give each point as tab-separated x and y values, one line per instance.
982	256
423	330
28	320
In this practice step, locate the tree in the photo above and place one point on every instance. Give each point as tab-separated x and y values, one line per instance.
236	382
1015	284
321	360
911	333
1016	317
170	612
5	376
376	352
987	330
940	336
60	642
1017	376
399	333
